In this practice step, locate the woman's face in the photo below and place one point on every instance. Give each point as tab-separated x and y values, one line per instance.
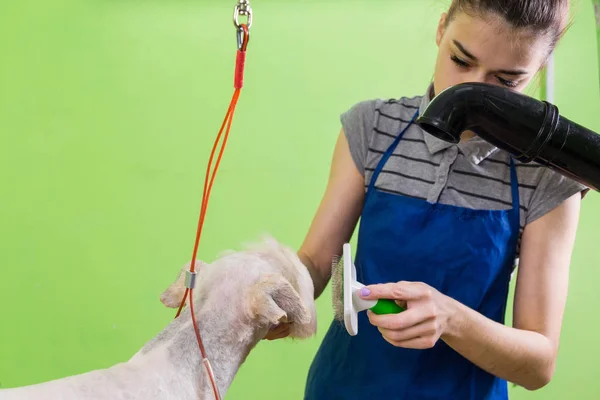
474	49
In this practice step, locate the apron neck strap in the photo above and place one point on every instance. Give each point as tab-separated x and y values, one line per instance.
386	156
514	182
514	185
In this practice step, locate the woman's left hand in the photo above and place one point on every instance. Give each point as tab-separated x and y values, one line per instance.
425	319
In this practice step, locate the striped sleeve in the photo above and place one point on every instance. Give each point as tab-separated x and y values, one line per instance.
553	189
358	123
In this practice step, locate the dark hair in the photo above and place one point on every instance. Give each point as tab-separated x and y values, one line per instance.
546	17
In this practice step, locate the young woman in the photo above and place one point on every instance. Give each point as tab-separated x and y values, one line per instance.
441	228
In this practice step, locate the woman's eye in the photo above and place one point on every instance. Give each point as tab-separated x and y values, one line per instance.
508	83
464	64
459	62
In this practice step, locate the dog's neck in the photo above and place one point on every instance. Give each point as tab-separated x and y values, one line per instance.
168	366
225	349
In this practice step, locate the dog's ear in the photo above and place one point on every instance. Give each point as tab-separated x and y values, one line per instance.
274	300
174	294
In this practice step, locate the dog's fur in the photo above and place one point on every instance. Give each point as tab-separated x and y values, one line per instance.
237	298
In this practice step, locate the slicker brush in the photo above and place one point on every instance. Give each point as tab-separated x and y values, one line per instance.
346	300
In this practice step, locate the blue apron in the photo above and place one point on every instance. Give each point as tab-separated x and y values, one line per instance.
464	253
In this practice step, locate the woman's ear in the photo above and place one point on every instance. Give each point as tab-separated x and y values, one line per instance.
441	29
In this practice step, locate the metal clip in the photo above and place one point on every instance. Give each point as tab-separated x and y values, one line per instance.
242	8
190	279
243	37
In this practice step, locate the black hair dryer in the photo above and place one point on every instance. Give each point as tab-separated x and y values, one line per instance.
529	129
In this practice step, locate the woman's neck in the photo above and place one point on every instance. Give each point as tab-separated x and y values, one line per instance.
466	136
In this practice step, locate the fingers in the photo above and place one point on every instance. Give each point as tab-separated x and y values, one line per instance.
412	316
420	343
397	291
420	326
423	329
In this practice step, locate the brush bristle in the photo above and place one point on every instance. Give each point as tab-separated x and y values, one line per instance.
337	287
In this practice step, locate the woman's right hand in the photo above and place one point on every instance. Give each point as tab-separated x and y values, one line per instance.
278	332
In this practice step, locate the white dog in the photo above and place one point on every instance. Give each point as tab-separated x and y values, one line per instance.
237	298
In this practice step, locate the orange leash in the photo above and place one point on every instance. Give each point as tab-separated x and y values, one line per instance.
243	35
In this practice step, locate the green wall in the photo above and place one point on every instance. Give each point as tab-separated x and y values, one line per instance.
108	110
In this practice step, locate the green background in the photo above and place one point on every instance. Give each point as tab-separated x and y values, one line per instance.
108	111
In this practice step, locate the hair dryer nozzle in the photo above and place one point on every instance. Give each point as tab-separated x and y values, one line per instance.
529	129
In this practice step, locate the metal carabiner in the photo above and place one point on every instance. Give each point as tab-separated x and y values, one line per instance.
243	37
242	8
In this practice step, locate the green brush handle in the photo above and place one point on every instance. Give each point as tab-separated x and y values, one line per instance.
385	306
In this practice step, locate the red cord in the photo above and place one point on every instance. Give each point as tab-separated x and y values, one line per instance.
238	83
239	66
240	61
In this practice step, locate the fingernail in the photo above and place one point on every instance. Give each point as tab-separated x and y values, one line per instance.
365	292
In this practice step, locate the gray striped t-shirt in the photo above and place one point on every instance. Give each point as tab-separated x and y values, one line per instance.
473	174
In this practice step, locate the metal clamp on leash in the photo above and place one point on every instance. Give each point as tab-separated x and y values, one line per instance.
242	8
242	30
190	279
243	36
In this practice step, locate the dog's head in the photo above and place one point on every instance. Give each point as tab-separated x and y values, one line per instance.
266	284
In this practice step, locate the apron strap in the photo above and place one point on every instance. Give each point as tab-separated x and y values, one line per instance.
514	185
514	182
389	152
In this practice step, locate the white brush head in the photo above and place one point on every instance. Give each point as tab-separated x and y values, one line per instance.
345	299
353	303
